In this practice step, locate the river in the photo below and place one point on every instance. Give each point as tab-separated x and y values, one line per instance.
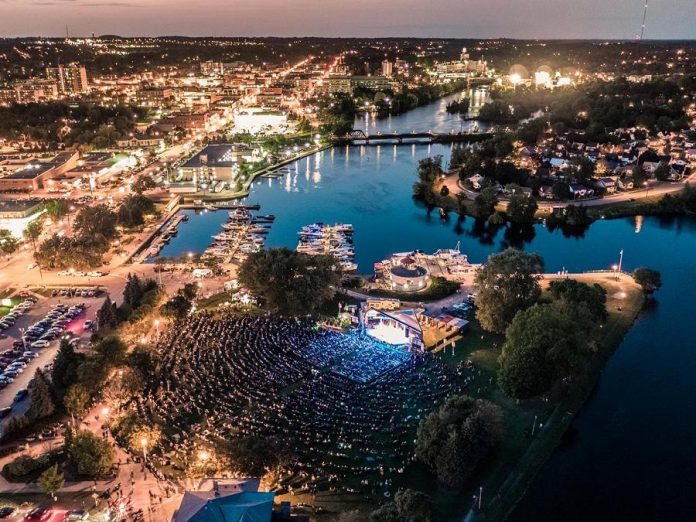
631	451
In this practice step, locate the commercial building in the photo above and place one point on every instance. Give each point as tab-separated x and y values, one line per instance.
16	214
37	174
216	162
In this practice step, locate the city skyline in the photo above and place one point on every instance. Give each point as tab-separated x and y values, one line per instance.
586	19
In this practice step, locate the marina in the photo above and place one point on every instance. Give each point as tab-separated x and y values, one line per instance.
333	240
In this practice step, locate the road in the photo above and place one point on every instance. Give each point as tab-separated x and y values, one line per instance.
656	189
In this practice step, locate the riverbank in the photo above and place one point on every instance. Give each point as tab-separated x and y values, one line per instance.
506	487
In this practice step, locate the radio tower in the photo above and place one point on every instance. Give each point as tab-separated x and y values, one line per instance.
645	15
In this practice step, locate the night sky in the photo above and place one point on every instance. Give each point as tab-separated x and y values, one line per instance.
667	19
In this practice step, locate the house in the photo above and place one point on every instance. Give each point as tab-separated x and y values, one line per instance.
624	184
606	185
580	191
546	192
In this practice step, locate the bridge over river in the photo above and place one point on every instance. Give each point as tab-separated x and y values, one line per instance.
359	137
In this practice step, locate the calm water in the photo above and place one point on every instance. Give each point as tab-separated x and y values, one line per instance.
633	454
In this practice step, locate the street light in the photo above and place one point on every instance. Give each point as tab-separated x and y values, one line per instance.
143	443
105	412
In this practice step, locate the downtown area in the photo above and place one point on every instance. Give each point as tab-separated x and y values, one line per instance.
343	279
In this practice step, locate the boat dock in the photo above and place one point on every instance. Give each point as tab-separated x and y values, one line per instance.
334	240
242	234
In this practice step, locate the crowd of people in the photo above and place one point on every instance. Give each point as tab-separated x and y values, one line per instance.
233	377
354	355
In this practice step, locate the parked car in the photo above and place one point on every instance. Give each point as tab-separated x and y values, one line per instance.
38	515
6	511
4	412
40	344
20	395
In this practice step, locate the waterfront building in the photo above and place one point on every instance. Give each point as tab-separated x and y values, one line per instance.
406	275
216	162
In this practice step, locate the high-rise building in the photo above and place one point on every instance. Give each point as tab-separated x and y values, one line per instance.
387	68
71	79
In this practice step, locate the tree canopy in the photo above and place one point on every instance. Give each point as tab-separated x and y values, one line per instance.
458	438
288	282
507	283
543	344
92	455
650	280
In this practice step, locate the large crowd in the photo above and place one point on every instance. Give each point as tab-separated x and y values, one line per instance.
346	428
354	355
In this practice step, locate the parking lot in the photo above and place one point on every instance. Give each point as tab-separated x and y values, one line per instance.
75	327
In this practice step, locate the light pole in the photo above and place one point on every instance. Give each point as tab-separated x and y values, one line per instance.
143	443
24	342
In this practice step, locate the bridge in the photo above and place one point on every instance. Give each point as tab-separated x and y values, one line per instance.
359	137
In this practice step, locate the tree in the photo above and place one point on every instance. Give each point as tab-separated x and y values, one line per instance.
577	295
144	438
457	439
8	243
41	404
132	211
414	506
61	252
177	307
51	481
485	202
133	291
290	282
97	223
93	455
33	232
143	184
111	350
543	344
560	190
521	208
507	283
650	280
640	177
663	171
76	400
106	315
65	367
56	208
584	168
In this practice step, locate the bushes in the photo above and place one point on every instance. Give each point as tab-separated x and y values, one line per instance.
27	469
